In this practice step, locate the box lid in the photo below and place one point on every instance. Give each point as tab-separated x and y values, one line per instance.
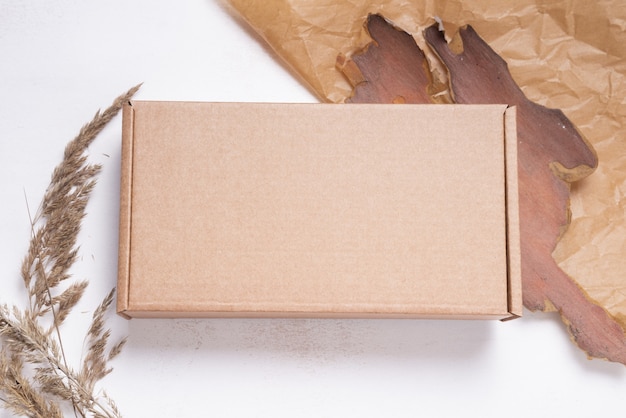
250	209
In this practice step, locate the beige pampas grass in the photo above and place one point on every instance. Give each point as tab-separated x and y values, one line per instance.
36	379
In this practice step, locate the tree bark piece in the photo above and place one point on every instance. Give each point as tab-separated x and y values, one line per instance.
551	155
391	69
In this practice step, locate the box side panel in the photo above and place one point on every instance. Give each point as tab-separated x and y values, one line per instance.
178	313
200	309
512	197
125	209
185	311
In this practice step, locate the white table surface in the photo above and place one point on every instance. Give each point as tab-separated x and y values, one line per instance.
62	60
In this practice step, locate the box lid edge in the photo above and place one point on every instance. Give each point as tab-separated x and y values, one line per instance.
123	273
515	301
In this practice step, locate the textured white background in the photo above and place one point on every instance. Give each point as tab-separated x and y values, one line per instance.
60	61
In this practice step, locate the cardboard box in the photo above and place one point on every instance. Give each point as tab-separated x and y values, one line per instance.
319	210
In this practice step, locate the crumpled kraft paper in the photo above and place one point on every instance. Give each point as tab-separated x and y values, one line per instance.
564	54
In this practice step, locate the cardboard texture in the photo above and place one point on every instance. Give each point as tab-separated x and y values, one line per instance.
317	210
564	54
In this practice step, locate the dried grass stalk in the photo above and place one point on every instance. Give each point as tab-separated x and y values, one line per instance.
35	377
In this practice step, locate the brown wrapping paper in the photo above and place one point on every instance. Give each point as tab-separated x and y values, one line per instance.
564	54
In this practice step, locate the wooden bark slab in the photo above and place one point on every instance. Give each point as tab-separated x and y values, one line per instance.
551	154
391	69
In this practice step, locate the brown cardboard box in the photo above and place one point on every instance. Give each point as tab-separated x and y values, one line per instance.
319	210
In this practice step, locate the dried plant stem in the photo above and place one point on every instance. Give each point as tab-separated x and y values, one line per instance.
39	349
49	381
42	272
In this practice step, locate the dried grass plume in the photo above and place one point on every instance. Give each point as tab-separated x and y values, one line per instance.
36	378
